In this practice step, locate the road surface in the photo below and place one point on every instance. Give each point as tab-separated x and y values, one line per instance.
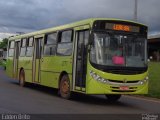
34	99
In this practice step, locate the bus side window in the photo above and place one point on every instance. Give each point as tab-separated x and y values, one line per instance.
65	43
23	47
29	51
11	49
50	44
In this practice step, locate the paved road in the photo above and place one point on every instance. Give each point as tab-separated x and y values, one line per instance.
36	99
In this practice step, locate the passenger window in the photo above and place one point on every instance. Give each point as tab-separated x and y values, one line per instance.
50	44
11	52
30	41
24	42
23	47
11	49
11	44
51	38
29	51
64	46
66	36
64	49
49	49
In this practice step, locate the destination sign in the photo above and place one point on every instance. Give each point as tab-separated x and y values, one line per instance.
122	27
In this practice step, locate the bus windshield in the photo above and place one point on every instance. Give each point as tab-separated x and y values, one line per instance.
126	50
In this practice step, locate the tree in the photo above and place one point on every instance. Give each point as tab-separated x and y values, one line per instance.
4	43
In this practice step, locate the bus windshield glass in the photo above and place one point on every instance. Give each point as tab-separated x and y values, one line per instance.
126	50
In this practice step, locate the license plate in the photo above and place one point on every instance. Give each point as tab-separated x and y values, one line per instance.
124	88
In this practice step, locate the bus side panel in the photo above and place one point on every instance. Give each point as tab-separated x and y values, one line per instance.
66	65
26	64
28	69
49	79
50	71
28	75
9	67
51	68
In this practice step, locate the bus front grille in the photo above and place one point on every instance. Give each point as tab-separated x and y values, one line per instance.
121	81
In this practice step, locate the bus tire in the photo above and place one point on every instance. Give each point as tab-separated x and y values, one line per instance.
113	98
22	78
64	87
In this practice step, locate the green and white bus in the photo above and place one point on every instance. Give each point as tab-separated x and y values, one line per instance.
93	56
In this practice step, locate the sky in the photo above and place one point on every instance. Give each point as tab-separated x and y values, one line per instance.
31	15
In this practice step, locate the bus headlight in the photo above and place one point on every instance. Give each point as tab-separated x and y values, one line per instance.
97	77
144	81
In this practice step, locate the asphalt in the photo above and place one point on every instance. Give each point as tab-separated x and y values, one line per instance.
35	99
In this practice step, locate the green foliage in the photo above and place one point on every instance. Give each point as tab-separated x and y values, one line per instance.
4	43
2	63
154	77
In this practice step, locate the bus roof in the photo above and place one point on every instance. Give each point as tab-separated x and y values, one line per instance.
71	25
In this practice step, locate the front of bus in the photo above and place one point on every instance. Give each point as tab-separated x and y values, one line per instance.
117	62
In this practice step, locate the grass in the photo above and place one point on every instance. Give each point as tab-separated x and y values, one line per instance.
154	77
1	62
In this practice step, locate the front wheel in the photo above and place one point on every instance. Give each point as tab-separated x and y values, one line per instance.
113	98
64	88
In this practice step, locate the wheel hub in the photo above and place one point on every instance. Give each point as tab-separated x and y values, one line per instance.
65	87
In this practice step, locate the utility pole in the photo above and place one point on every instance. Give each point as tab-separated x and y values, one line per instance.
135	10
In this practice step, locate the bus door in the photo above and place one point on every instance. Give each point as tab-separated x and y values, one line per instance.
16	59
80	59
38	42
